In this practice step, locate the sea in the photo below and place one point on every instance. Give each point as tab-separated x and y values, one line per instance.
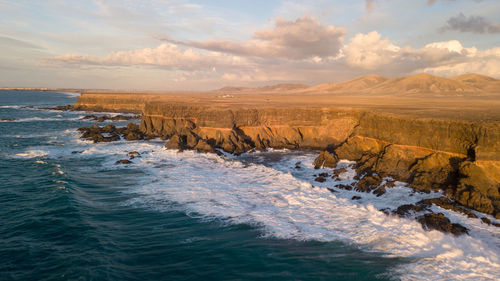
68	212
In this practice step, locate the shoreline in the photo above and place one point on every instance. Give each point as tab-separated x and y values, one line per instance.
457	157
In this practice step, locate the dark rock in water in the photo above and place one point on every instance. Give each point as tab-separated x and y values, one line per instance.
325	175
123	161
325	160
59	107
386	211
486	220
440	222
332	190
7	119
320	179
379	191
77	151
133	154
356	198
103	118
95	133
133	132
108	129
446	203
297	165
408	209
489	222
344	186
337	172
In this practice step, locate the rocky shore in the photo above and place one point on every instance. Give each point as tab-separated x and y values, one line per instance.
459	157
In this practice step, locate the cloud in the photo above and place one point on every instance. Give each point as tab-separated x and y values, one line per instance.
372	52
167	55
298	39
369	51
474	24
282	54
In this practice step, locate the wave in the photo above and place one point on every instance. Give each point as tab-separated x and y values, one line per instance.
32	153
42	119
285	205
285	202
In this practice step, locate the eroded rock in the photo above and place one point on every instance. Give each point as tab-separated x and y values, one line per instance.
325	160
440	222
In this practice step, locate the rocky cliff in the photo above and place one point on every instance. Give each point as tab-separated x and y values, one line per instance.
462	158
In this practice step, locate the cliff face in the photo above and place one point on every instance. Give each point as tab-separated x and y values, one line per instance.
462	158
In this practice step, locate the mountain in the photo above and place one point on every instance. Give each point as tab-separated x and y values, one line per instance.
485	83
271	88
355	85
423	84
419	84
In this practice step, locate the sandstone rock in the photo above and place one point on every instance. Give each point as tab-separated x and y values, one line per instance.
325	160
176	142
440	222
123	161
205	147
368	183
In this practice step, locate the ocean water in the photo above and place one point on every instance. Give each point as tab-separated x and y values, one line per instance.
192	216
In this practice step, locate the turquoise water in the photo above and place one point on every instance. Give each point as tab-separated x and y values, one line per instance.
190	216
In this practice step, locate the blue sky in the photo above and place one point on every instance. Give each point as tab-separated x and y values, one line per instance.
181	44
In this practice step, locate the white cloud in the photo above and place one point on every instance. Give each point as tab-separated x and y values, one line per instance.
166	55
298	39
370	51
302	51
448	58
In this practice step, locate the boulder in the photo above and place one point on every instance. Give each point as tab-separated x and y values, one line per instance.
133	154
123	162
440	222
325	160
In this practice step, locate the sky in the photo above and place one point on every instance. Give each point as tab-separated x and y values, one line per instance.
208	44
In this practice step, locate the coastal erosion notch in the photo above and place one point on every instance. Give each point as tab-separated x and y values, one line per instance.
462	158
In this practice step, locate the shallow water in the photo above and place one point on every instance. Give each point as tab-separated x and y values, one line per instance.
191	216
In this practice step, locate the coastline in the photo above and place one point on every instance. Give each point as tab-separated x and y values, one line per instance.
459	157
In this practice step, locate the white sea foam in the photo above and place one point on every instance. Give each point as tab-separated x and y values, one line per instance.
10	106
42	119
32	153
286	203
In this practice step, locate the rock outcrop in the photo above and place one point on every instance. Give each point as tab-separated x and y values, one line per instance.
110	133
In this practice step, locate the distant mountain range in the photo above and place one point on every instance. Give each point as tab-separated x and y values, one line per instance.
470	84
